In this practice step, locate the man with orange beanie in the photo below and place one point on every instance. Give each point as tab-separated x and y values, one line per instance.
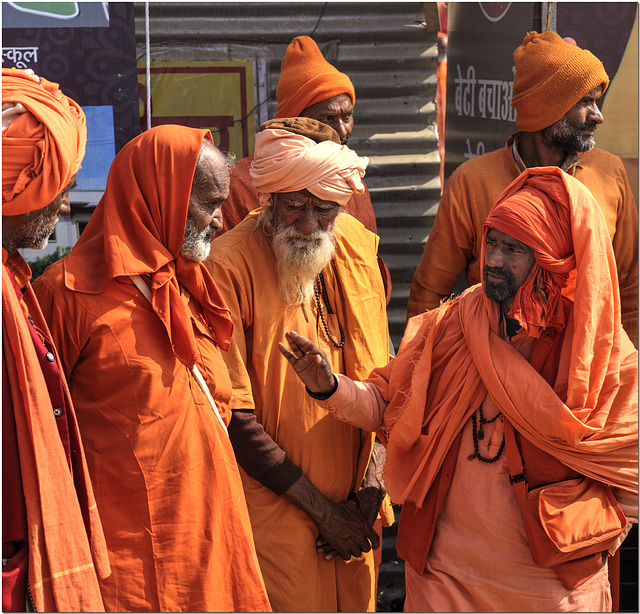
556	89
141	327
299	261
53	547
510	416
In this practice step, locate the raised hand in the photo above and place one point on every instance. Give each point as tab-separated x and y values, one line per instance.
309	362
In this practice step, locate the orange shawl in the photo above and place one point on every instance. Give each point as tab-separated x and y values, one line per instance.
138	229
452	357
43	146
62	562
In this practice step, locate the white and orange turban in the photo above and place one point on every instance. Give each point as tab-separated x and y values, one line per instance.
289	162
44	135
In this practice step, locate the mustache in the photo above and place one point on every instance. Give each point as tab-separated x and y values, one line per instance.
498	272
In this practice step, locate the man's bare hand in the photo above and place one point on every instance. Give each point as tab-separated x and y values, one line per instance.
309	362
345	531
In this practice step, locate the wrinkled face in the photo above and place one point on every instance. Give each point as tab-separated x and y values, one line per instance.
304	212
574	131
301	231
508	263
336	112
209	190
32	230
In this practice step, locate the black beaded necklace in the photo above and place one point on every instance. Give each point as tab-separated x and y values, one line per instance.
319	287
478	435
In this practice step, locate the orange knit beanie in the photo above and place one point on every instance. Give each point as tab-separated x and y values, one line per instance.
551	77
306	78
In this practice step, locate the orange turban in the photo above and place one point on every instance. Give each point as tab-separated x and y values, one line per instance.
288	162
552	75
44	144
556	216
306	78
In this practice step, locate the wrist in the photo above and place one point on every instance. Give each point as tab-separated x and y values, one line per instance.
323	396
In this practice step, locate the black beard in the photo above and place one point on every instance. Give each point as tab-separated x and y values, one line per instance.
566	137
499	292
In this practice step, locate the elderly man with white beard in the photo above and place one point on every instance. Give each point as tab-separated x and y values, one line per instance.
299	261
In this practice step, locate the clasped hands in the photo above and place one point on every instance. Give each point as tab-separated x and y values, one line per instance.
346	529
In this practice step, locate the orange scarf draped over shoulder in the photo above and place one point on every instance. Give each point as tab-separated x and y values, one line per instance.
452	357
138	229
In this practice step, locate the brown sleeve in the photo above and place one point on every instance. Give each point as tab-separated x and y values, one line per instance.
259	455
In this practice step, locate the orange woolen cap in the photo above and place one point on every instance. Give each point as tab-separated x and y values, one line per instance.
306	78
552	76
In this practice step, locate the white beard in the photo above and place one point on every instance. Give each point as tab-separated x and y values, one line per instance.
197	243
300	259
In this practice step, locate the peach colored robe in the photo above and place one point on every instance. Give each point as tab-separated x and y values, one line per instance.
331	454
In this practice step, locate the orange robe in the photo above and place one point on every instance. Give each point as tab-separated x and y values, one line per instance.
164	473
330	453
456	238
46	486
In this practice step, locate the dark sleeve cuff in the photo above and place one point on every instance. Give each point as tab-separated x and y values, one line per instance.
323	397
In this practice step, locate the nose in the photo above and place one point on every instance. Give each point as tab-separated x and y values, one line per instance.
341	128
493	257
216	219
595	115
65	204
307	222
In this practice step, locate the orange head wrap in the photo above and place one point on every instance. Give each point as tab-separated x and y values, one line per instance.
306	78
537	210
288	162
138	228
552	75
44	144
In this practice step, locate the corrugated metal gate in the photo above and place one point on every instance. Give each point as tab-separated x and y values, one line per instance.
389	55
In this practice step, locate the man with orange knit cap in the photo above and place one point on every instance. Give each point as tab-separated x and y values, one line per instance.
556	89
510	416
141	327
53	547
309	86
298	261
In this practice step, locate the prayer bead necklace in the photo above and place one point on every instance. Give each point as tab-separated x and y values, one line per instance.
318	287
478	435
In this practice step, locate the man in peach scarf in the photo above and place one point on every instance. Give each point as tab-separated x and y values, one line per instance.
300	262
563	373
140	325
52	542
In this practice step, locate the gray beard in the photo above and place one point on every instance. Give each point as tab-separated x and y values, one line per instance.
299	260
566	137
197	243
34	233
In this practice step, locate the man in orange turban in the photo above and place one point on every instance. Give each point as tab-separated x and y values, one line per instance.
300	262
140	326
556	89
309	86
52	541
512	354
